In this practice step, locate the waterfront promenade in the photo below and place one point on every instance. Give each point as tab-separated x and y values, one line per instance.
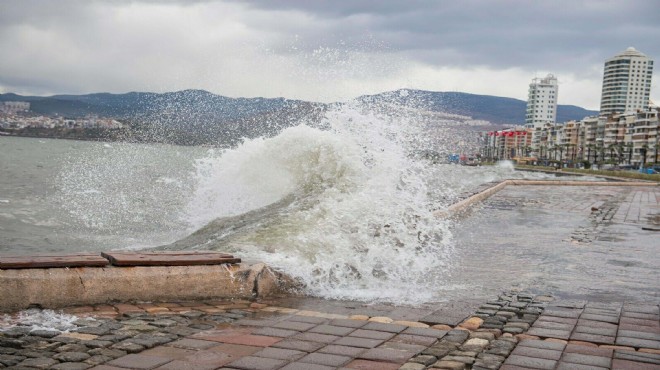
583	294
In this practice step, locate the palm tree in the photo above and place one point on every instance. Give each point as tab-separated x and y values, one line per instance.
589	147
611	148
630	151
642	152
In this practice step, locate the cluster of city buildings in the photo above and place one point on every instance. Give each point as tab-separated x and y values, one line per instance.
624	133
14	116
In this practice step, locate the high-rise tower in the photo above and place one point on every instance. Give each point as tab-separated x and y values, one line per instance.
626	82
542	101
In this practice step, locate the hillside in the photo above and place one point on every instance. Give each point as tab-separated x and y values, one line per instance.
200	117
494	109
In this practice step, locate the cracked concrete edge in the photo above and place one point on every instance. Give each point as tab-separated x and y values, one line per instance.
62	287
464	204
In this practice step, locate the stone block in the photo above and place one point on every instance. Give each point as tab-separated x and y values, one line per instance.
251	362
326	359
530	362
299	345
637	342
280	354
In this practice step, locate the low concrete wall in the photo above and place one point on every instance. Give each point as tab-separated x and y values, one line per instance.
61	287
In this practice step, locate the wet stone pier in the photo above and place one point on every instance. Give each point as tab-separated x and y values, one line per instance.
514	331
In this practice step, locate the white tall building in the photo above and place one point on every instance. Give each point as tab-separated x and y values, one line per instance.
542	101
626	82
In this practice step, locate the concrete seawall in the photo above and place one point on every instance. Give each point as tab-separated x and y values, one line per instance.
61	287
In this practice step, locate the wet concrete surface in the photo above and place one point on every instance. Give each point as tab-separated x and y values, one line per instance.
571	241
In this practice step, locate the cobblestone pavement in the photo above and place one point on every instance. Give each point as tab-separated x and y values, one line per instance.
513	331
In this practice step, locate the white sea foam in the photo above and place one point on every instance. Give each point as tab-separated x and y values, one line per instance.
37	319
361	225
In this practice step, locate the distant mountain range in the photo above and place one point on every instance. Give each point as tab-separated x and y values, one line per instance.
195	116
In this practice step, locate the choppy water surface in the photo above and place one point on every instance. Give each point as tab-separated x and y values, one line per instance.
347	208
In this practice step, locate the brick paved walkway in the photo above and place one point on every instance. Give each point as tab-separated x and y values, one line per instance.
516	331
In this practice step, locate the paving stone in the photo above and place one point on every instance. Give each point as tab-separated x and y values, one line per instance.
94	330
348	323
428	332
633	307
610	332
71	356
530	362
639	334
424	359
307	319
139	361
98	343
559	312
280	354
407	347
642	328
44	333
435	319
39	363
601	339
314	337
371	365
412	366
275	332
114	353
593	351
358	342
637	315
549	333
565	320
484	365
572	366
389	328
257	363
128	347
618	364
371	334
247	339
188	343
294	325
342	350
603	318
332	330
512	329
641	322
578	358
637	342
236	350
306	346
326	359
386	355
547	354
553	325
638	356
414	339
451	365
306	366
542	344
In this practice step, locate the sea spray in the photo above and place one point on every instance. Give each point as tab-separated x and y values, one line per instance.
357	222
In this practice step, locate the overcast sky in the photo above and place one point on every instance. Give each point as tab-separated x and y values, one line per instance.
320	50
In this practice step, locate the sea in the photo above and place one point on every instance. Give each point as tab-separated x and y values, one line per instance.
347	207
